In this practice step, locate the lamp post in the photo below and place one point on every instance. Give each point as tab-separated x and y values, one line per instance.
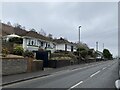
79	34
79	43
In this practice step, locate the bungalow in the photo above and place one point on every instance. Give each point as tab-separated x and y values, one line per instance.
33	41
64	45
99	55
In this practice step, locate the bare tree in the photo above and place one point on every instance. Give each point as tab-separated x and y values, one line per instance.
33	30
42	32
23	27
9	23
17	25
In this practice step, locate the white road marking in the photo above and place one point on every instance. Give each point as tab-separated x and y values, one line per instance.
95	73
84	67
117	84
76	85
104	68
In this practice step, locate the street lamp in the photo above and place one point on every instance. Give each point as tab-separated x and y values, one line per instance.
79	34
79	43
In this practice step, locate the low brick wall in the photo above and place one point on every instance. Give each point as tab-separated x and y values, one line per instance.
13	66
58	63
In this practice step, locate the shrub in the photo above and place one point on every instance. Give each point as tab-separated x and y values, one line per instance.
28	54
18	50
5	52
84	53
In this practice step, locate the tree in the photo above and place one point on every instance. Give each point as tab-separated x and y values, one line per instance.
17	25
8	23
23	27
83	52
107	54
42	32
33	30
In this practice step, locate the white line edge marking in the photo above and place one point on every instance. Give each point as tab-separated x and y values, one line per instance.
95	73
76	85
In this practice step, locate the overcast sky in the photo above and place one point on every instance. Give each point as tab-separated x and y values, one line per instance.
98	20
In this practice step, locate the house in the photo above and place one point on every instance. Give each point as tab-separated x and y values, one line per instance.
99	55
64	45
32	41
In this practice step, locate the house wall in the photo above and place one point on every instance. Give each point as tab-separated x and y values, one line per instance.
68	47
60	47
74	48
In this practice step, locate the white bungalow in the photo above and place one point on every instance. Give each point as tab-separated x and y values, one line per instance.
64	45
33	41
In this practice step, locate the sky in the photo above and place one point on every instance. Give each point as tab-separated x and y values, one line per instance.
98	20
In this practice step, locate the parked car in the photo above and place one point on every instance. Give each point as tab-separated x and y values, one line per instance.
117	82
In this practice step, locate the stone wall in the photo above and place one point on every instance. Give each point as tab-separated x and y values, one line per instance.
13	66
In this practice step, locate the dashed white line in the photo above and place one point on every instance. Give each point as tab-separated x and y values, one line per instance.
75	85
95	73
104	68
84	67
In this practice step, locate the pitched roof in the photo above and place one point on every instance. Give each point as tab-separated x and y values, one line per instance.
7	30
36	35
61	41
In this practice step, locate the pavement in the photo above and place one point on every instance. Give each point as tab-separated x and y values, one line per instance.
90	75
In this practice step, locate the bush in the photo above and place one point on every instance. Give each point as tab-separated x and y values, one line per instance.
28	54
84	53
18	50
5	52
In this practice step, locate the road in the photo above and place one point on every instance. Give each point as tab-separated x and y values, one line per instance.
99	75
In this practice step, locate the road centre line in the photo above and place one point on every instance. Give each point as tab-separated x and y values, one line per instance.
85	67
95	73
104	68
76	85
